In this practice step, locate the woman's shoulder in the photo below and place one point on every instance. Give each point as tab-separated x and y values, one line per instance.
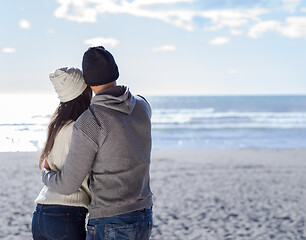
66	130
61	146
68	125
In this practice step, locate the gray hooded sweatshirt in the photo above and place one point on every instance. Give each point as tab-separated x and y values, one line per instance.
112	141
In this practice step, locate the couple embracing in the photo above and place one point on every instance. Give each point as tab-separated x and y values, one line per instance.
96	158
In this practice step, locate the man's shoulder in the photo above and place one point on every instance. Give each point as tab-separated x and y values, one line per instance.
142	98
89	125
144	102
87	121
83	119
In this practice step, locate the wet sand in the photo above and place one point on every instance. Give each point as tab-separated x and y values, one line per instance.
198	194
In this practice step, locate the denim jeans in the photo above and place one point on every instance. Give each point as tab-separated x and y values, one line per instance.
135	225
58	222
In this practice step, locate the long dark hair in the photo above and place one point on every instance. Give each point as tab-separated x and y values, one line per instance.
65	113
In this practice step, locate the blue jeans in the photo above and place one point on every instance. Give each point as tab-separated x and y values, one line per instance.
58	222
135	225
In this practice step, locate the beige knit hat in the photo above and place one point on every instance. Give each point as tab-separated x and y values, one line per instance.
68	83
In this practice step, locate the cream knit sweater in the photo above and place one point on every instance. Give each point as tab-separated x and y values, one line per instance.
56	160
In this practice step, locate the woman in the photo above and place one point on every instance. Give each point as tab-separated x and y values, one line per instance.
58	216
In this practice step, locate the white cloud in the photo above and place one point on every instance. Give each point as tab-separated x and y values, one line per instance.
164	48
98	41
25	24
219	41
232	72
80	11
291	5
150	2
8	50
295	27
231	18
258	29
237	21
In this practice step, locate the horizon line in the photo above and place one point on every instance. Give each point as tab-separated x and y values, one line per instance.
175	95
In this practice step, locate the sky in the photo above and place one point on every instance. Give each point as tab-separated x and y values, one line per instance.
162	47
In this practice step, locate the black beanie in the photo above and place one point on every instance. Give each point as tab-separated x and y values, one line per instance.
99	67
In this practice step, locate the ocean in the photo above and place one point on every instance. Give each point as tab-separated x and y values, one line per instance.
178	122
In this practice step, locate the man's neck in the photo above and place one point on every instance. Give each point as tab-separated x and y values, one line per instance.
97	89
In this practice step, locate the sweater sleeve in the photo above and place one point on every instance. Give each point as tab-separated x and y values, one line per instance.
77	165
85	141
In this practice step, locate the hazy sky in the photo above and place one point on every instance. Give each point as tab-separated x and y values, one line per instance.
161	46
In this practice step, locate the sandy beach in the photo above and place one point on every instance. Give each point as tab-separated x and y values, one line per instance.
198	194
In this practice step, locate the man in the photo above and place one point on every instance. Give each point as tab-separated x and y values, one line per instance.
112	141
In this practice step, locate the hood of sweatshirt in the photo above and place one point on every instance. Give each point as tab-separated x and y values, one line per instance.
118	98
